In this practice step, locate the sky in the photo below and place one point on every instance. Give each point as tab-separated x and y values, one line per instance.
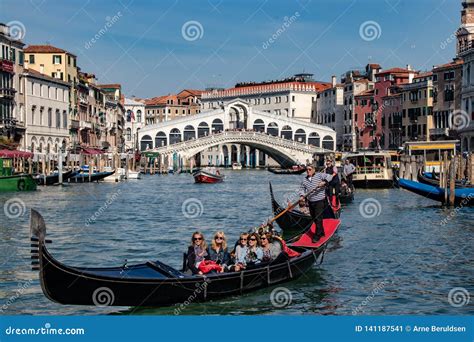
155	48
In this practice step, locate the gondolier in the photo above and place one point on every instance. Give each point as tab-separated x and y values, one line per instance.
315	184
349	169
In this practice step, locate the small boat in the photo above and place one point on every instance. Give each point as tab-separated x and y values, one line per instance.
236	166
295	222
134	175
347	197
373	169
295	170
14	182
53	178
431	179
117	176
207	176
156	284
83	177
463	196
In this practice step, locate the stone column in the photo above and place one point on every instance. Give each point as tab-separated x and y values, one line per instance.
257	157
239	151
247	156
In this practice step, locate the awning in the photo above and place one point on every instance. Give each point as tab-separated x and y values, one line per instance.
91	151
15	154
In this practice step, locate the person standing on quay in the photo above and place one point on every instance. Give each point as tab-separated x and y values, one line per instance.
314	184
349	169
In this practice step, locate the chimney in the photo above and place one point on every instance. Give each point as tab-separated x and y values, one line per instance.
333	81
409	67
4	30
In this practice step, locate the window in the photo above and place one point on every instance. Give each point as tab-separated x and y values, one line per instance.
31	59
68	60
13	55
58	118
56	59
50	117
293	98
64	119
33	109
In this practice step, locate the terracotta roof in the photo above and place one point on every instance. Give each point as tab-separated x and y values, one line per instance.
395	71
453	64
424	74
158	100
195	92
36	73
365	93
318	85
45	49
113	86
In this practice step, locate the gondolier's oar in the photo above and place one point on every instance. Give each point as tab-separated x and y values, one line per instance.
293	205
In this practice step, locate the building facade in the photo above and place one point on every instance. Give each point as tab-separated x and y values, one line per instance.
12	108
47	112
134	121
169	107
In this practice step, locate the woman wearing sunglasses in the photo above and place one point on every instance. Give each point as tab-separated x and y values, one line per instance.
218	251
254	252
197	252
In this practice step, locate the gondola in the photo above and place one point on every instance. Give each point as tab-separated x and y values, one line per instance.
203	176
293	171
54	178
464	196
294	222
430	180
156	284
345	198
84	177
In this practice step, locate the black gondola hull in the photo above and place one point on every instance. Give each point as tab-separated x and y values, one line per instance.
53	179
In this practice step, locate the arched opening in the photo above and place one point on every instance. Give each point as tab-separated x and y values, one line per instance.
314	139
272	129
160	139
146	143
129	134
328	143
217	126
300	136
238	117
139	115
189	133
259	125
287	133
203	129
175	136
225	153
129	115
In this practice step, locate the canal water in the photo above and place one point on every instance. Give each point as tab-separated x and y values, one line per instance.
395	253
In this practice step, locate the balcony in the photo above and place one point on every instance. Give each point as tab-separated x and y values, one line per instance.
439	132
397	126
74	124
6	65
7	93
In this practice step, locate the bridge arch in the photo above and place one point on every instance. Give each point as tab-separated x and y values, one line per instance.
146	143
272	129
189	133
300	136
217	126
287	132
161	139
328	142
314	139
203	129
175	136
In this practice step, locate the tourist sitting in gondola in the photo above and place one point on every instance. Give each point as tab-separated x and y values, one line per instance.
197	253
345	189
254	252
218	251
240	252
271	247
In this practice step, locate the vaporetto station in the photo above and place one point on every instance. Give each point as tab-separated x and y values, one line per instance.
237	133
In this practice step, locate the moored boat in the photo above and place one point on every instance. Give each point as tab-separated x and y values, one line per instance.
154	283
236	166
207	176
295	170
14	182
464	196
53	178
373	169
431	179
83	177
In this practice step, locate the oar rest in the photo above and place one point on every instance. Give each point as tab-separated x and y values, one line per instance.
34	252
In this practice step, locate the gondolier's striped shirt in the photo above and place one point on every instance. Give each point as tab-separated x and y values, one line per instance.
310	183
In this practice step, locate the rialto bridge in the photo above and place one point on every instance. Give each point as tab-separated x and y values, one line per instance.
237	133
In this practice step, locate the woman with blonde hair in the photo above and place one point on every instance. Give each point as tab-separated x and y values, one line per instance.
197	252
218	250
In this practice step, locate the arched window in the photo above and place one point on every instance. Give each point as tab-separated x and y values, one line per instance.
129	134
160	139
314	139
203	129
146	143
175	136
272	129
328	142
300	136
139	115
287	132
129	115
189	133
58	118
259	125
64	119
217	126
